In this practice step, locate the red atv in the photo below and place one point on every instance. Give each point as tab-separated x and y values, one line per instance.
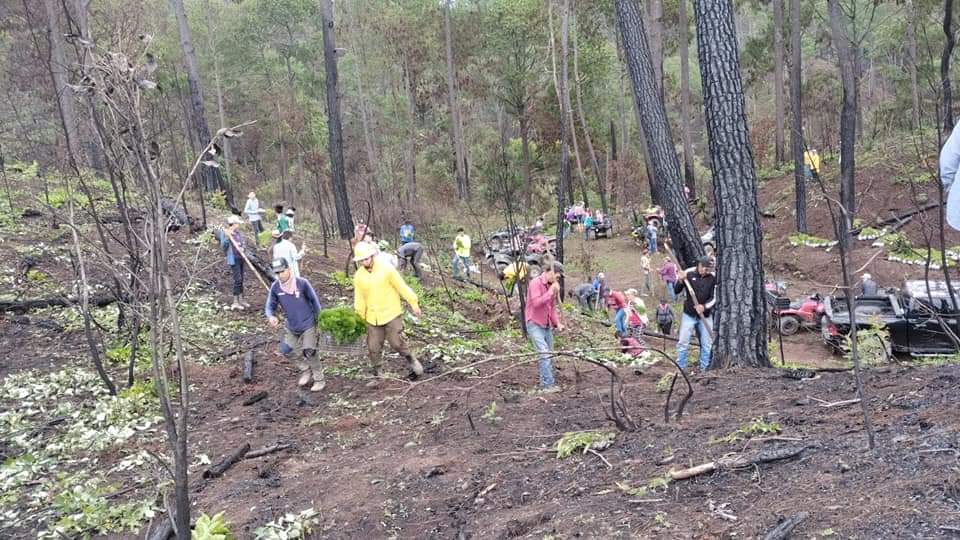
807	313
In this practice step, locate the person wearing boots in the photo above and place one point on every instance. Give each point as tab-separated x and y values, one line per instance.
301	306
377	291
231	242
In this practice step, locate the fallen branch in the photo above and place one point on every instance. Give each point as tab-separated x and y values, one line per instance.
736	461
829	405
259	396
267	450
248	367
21	306
594	452
229	461
783	530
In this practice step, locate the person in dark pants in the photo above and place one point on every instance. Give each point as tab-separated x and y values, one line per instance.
231	242
300	304
586	296
411	252
664	317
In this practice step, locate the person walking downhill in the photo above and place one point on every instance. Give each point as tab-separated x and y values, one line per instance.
461	254
664	317
285	249
645	267
697	312
301	306
253	212
231	242
541	318
377	291
668	273
411	252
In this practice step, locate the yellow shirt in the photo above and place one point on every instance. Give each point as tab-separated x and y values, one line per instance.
812	160
461	245
377	293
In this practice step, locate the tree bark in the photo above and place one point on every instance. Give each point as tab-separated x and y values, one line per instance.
456	125
209	175
58	73
568	184
659	141
410	158
796	110
221	113
340	197
778	54
564	180
525	154
594	164
741	337
655	35
848	113
912	63
689	173
948	43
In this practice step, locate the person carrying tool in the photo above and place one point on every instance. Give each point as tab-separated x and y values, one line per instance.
411	252
231	242
377	291
254	216
301	306
461	254
285	249
541	317
600	289
697	310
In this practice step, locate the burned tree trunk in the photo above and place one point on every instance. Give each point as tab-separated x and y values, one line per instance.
659	140
848	114
689	174
563	182
741	337
456	124
778	53
796	106
340	198
948	44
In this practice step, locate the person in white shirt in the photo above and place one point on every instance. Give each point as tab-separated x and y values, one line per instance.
286	250
253	211
291	212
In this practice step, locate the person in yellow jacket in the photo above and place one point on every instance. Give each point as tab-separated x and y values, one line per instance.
377	290
461	253
811	162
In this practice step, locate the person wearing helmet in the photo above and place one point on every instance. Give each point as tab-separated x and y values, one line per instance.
377	292
231	242
285	249
300	304
869	286
253	212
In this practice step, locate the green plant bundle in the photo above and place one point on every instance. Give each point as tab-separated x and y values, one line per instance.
211	528
801	239
583	441
343	324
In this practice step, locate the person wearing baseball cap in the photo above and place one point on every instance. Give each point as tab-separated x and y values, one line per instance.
231	242
377	292
301	306
697	310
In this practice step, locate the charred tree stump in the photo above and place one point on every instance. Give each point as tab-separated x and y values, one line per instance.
248	367
217	470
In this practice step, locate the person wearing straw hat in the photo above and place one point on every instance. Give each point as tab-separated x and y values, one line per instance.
377	292
231	242
300	304
253	212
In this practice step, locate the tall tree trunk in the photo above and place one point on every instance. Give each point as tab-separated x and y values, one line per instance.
564	179
59	75
373	164
221	113
948	43
613	166
912	63
410	159
688	157
742	323
456	125
659	141
594	164
340	197
778	54
576	152
796	110
654	22
284	161
622	102
556	86
525	154
848	112
210	175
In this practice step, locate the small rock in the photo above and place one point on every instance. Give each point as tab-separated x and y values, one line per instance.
375	481
843	466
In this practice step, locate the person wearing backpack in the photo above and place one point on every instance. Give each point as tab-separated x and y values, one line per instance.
664	317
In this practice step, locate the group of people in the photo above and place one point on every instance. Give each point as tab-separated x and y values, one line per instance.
581	218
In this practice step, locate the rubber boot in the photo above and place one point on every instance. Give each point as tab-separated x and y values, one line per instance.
318	382
236	306
243	303
414	364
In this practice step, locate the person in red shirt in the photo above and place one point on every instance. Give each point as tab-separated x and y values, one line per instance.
541	318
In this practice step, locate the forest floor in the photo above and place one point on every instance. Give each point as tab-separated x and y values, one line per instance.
470	451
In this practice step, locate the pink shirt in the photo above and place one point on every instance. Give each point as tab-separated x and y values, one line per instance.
668	272
541	304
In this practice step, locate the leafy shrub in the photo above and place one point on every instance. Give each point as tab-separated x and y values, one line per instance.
583	440
343	324
218	200
289	526
341	279
265	237
211	528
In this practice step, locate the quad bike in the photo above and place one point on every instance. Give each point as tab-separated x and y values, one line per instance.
807	313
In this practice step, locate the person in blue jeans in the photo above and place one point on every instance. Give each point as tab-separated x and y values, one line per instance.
697	310
651	238
587	225
541	318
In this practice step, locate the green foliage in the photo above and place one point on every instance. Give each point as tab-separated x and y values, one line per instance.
341	279
473	295
756	427
59	196
490	413
663	384
211	528
873	341
343	323
218	200
801	239
265	237
583	441
36	276
82	505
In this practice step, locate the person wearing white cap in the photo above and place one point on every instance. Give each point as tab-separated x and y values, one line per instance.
231	242
253	211
869	285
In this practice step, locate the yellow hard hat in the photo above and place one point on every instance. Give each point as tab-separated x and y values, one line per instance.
364	250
